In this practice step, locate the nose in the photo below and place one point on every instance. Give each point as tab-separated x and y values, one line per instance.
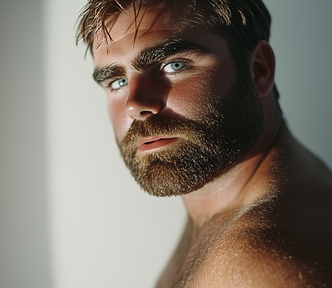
146	97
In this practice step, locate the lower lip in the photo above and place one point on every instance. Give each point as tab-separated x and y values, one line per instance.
156	144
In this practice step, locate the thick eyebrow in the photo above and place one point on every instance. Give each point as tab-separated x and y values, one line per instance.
151	56
101	74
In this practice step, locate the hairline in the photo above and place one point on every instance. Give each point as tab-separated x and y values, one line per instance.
241	55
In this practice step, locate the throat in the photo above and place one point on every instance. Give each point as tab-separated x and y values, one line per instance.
234	191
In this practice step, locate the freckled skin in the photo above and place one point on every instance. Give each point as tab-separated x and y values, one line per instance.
266	222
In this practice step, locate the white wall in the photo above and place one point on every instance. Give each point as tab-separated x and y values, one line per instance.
302	41
24	218
71	216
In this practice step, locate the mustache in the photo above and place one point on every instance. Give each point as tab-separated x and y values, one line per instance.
161	125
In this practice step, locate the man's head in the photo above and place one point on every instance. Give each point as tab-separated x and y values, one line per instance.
180	84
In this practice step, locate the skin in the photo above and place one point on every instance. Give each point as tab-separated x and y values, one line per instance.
263	223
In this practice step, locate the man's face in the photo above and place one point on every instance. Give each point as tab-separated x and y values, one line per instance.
181	113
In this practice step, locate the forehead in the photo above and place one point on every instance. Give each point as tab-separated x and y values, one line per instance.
137	24
154	26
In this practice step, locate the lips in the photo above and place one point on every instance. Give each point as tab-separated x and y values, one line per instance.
155	143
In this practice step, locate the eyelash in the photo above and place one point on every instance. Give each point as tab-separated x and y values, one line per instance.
124	83
185	63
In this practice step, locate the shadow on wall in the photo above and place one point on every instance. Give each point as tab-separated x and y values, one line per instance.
24	237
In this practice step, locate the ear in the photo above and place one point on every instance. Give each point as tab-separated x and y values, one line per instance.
262	67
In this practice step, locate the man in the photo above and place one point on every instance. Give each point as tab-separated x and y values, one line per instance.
195	112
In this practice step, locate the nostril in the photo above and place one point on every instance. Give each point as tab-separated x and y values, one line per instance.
146	113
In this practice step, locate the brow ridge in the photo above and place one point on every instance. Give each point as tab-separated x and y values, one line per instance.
114	70
149	57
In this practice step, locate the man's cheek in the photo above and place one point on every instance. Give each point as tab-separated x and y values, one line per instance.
120	121
187	97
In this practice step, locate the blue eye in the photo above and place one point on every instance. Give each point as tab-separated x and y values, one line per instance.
117	84
173	67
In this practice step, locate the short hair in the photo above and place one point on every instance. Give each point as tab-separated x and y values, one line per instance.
242	23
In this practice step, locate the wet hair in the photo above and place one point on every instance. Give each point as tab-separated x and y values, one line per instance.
242	23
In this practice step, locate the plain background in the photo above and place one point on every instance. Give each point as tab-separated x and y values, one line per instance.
71	216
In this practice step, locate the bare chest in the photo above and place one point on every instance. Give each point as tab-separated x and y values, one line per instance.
249	249
192	257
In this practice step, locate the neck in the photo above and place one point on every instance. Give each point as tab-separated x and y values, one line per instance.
243	184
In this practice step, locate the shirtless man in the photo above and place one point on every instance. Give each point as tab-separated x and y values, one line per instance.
195	112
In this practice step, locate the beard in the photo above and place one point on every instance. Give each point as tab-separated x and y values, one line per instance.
223	134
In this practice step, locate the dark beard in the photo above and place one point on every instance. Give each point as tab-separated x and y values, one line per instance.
208	147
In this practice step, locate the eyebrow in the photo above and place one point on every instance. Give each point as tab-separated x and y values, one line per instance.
151	56
99	75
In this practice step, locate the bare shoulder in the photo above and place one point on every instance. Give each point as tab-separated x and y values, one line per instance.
283	241
256	252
